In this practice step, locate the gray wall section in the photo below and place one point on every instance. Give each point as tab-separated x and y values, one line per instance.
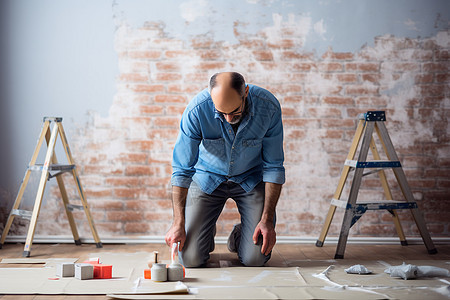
57	57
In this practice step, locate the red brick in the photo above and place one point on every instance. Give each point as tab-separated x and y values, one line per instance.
324	112
302	67
184	88
168	76
338	123
361	90
294	55
436	67
143	145
162	134
175	110
147	88
362	67
205	66
139	170
283	43
97	193
123	181
263	55
148	54
106	204
168	66
167	121
441	54
151	109
443	78
339	100
347	78
126	216
129	193
374	78
186	54
136	227
170	99
338	55
295	134
330	67
432	90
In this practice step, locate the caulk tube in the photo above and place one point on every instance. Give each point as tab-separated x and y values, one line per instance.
175	271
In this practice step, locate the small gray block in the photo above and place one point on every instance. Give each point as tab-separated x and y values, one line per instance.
65	270
84	271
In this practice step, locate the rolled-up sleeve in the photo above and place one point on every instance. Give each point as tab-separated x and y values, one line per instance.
185	153
272	152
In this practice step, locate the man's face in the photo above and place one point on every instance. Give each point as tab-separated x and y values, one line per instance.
234	116
228	101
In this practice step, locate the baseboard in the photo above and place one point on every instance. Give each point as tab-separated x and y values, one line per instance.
223	240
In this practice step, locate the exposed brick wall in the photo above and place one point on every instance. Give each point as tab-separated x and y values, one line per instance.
125	158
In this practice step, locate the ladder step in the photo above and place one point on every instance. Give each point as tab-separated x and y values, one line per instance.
71	207
24	214
56	167
375	205
372	164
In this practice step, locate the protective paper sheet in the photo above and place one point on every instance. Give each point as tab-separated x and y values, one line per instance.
301	279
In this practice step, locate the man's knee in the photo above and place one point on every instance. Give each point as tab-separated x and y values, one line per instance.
193	259
255	259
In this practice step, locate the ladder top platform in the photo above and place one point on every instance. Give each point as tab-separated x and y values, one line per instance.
376	115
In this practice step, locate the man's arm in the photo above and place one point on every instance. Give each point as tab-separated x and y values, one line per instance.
177	232
266	227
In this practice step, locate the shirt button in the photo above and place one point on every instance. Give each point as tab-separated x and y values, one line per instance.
232	147
231	162
229	131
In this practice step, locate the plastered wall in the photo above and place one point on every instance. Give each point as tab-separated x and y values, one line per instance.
123	153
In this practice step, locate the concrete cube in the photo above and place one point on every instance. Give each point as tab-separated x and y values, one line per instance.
65	270
84	271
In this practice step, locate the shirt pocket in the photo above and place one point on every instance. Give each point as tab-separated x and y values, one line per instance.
252	148
213	148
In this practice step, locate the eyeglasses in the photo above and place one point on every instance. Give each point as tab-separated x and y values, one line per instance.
235	112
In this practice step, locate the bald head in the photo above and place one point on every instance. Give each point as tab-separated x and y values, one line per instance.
227	90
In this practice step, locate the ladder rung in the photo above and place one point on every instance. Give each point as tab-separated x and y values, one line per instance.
56	167
372	164
24	214
71	207
375	205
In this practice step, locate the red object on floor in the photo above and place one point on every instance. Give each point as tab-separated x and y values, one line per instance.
148	274
102	271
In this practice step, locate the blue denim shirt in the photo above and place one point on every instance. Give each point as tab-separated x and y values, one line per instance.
209	152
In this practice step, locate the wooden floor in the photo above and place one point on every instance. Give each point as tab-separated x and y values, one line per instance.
281	256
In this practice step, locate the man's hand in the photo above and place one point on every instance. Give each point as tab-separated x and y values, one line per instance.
268	234
176	234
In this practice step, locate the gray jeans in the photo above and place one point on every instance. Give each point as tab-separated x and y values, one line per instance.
202	212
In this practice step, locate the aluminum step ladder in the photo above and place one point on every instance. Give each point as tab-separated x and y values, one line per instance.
50	169
368	122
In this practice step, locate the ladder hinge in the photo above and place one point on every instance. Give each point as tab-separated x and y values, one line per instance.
24	214
378	115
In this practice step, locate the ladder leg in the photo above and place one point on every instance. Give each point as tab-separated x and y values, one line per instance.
356	183
15	206
40	193
404	186
326	226
343	236
398	227
79	187
341	184
65	199
388	194
24	183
